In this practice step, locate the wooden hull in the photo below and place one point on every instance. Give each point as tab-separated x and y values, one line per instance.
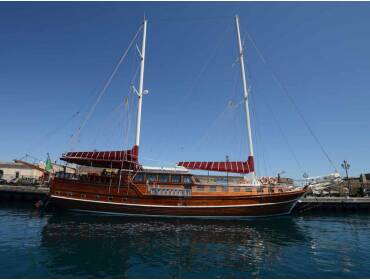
135	200
232	211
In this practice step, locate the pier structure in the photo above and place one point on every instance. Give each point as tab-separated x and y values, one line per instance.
23	193
332	204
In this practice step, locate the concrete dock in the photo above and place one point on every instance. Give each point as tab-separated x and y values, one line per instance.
23	193
311	203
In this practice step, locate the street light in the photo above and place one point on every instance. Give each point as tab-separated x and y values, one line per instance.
346	166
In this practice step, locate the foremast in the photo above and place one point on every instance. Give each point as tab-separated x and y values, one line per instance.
246	95
141	90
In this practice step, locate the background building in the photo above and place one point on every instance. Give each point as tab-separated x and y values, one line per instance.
11	170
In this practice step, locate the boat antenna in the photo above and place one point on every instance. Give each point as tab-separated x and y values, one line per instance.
141	90
246	95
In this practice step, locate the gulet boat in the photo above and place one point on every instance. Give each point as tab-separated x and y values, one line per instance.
134	189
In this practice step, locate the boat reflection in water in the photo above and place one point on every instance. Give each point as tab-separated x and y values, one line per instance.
107	246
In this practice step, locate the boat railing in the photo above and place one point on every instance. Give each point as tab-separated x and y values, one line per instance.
66	175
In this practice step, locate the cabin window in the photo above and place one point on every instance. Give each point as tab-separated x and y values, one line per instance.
163	178
248	189
151	177
176	179
212	188
83	195
70	194
139	177
260	189
237	189
97	196
225	188
57	192
200	188
110	198
187	180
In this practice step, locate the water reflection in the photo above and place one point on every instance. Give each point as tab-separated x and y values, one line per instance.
102	246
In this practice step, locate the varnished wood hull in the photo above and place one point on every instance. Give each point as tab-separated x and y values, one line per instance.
237	211
134	200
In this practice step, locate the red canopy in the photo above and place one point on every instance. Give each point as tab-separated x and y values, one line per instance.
221	166
106	159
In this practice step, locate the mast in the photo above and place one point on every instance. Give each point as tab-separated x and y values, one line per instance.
246	93
141	92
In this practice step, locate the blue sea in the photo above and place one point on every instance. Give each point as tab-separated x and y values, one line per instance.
35	244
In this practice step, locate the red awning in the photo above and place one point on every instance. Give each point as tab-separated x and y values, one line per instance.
106	159
221	166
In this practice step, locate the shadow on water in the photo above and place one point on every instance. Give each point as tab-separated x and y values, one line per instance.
86	245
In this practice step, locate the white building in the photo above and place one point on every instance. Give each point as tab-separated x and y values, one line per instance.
11	170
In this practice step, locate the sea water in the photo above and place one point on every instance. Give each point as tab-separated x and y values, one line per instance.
71	245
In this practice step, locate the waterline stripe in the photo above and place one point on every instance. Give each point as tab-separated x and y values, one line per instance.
172	206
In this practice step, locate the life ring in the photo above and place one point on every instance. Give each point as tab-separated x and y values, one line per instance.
273	180
264	180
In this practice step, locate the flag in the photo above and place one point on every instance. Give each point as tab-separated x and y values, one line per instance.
48	165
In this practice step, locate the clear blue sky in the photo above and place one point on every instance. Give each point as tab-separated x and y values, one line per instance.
55	57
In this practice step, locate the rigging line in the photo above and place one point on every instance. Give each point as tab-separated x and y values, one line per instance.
260	141
51	133
123	144
283	134
105	123
223	112
205	134
290	98
256	131
206	64
179	19
106	85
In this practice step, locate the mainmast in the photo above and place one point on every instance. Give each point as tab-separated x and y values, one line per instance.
141	92
246	93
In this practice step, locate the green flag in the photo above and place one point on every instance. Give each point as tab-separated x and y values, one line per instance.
48	165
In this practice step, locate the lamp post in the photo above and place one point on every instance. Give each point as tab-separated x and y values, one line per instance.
346	166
